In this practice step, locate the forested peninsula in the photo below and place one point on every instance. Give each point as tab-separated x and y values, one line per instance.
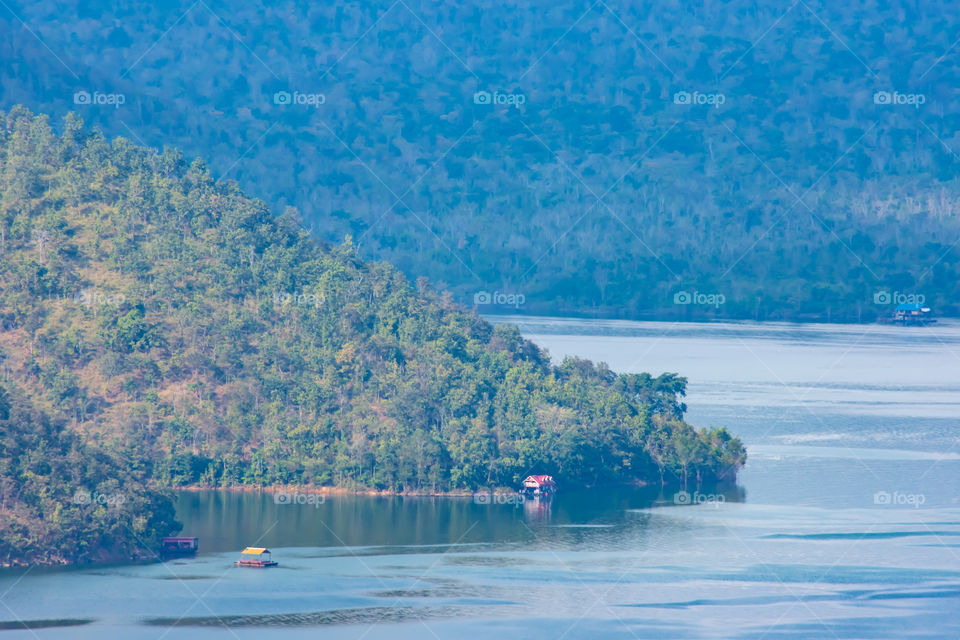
160	329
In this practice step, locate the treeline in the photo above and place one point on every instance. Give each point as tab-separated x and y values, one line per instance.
176	322
797	160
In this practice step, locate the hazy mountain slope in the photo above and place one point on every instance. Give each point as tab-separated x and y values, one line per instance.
798	194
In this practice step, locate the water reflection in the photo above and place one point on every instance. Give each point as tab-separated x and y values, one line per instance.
537	509
229	521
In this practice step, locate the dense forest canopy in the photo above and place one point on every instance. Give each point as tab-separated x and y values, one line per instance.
168	319
67	502
791	160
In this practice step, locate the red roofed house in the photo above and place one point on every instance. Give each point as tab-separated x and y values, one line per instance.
539	484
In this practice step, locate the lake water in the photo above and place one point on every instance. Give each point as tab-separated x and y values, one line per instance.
845	522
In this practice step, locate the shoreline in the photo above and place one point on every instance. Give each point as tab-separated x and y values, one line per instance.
346	491
339	491
502	318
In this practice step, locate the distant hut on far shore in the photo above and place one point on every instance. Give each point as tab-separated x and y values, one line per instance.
912	314
539	485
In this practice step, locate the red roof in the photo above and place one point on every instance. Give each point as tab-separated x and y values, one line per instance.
540	480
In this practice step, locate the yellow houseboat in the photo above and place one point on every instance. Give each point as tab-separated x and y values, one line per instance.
256	557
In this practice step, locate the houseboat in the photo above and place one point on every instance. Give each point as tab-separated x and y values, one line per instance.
539	485
179	546
912	314
256	557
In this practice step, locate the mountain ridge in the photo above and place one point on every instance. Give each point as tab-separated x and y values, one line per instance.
790	197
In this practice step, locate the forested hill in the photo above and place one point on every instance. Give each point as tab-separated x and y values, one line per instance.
798	159
170	319
64	502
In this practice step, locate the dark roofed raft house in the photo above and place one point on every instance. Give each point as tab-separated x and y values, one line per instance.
179	546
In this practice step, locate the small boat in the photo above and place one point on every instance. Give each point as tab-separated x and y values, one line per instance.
256	557
179	546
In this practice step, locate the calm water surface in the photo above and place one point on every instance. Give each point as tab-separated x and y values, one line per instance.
844	524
